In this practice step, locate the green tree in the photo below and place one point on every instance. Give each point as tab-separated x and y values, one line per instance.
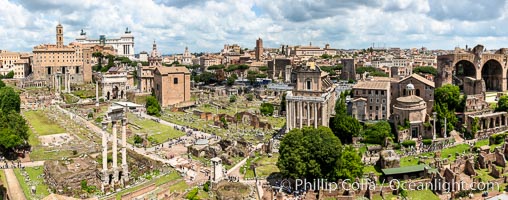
9	75
448	95
474	127
346	127
249	97
152	106
138	139
251	76
193	194
232	98
99	57
425	70
502	104
376	133
206	186
215	67
13	130
447	101
9	99
2	84
350	165
309	153
263	68
224	122
283	103
205	77
231	68
84	185
266	109
231	79
326	56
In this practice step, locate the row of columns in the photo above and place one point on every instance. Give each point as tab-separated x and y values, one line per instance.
295	113
494	122
125	170
57	82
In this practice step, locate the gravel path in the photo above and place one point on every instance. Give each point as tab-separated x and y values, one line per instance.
13	187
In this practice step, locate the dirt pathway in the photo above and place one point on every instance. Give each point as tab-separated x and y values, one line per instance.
14	188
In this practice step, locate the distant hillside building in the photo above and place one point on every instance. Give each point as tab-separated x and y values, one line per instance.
312	101
124	45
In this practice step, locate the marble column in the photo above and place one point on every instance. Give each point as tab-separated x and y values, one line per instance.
308	113
96	94
294	112
65	82
104	154
288	115
300	110
115	152
68	82
323	115
125	169
315	115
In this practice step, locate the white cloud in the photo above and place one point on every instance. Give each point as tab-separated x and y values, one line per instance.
207	25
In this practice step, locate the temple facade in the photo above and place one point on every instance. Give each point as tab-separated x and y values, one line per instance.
312	101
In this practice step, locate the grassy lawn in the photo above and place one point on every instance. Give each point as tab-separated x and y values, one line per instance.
158	181
179	186
34	173
203	195
483	174
264	166
456	149
86	93
44	153
371	168
166	178
158	132
42	124
416	194
408	161
3	179
483	142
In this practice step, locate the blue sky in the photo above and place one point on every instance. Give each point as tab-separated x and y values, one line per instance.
205	26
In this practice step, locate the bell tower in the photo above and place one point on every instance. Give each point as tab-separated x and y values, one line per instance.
59	36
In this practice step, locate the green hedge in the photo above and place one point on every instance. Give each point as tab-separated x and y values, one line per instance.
497	138
408	143
427	141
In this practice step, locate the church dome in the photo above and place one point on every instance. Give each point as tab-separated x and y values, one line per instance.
410	86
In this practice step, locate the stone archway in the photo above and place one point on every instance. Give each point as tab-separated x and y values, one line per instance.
492	74
121	94
463	69
115	92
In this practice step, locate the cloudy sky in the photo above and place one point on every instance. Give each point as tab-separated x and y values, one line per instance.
205	26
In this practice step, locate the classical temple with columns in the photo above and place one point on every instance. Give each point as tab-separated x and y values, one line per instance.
312	100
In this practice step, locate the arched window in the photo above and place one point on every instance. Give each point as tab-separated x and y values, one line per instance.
309	86
417	92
